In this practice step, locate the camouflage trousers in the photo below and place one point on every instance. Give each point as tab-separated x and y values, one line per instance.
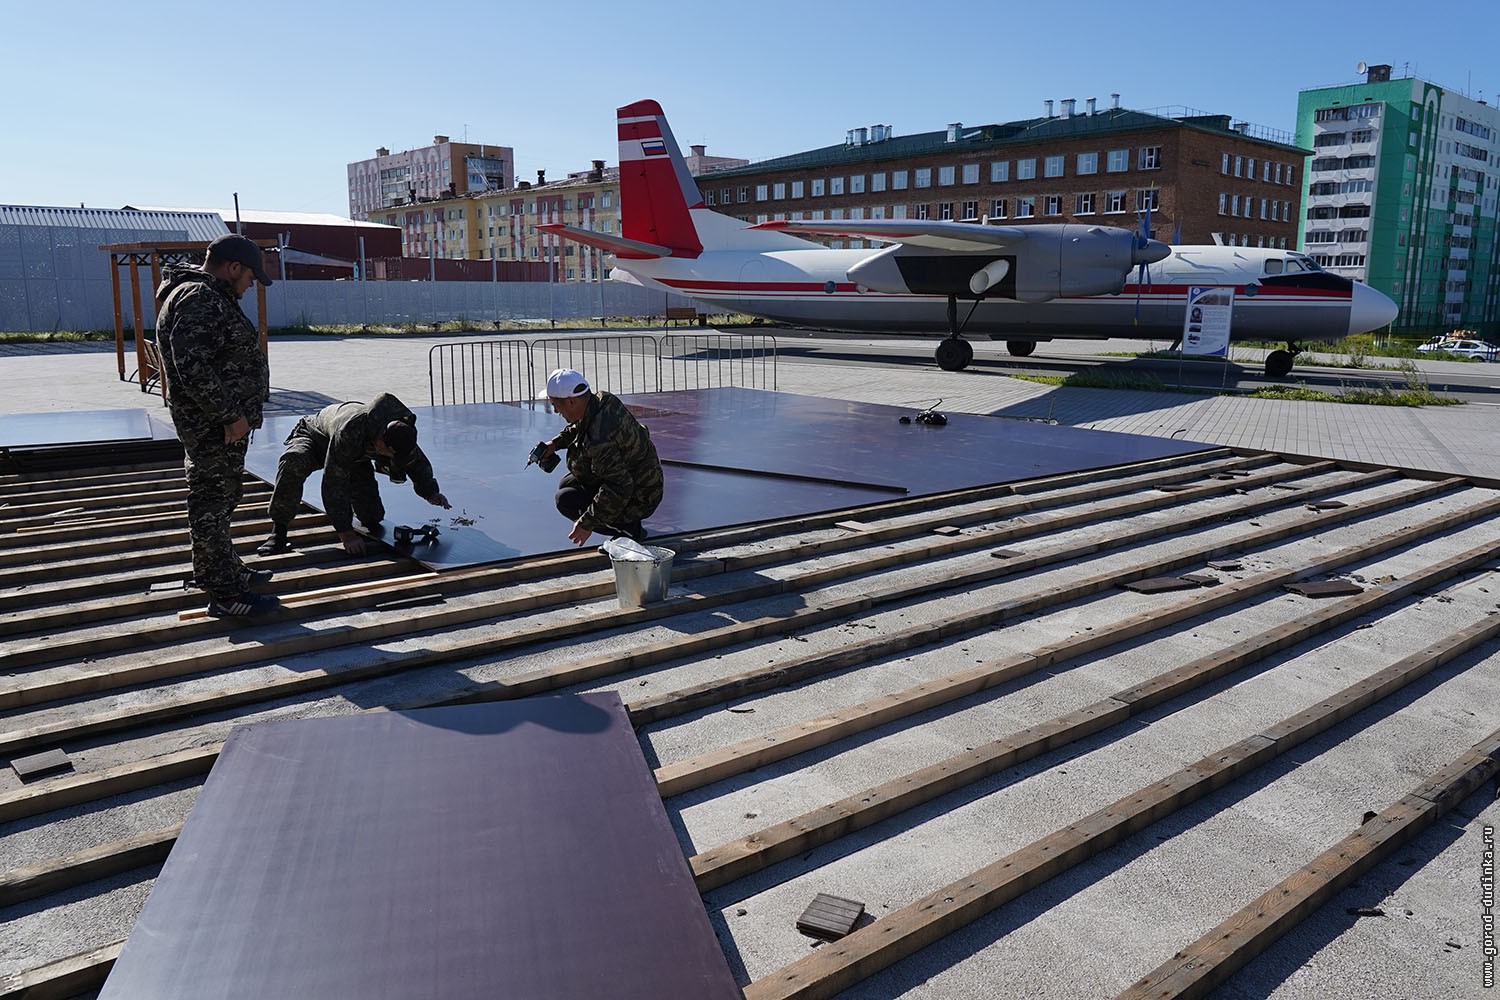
305	454
215	482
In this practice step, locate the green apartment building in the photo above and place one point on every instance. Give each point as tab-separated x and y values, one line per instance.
1400	193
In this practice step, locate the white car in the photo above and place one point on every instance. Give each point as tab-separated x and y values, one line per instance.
1463	349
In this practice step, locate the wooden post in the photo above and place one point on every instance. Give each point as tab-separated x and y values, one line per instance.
260	312
114	281
138	326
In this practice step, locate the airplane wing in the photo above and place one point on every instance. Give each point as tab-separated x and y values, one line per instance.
959	237
617	245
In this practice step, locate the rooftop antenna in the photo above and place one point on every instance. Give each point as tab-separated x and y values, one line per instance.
1361	69
237	228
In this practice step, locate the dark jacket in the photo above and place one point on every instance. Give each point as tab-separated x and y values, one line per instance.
348	430
611	450
210	353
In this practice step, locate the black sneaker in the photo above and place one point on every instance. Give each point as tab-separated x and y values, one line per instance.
276	543
243	605
252	578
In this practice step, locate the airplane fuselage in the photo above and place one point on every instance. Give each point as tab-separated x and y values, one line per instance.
810	288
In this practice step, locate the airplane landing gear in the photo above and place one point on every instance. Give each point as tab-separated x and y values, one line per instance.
954	353
1279	363
1020	348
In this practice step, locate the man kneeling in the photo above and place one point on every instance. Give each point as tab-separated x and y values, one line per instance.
350	442
614	478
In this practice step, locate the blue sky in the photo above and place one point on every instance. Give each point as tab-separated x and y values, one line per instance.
182	104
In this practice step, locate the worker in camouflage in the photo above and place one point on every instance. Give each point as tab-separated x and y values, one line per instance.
216	379
614	479
350	442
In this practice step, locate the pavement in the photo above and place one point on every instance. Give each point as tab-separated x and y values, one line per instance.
308	371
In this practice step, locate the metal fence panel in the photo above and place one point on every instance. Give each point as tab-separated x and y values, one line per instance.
709	359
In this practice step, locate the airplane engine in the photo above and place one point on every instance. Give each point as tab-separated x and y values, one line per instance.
1050	262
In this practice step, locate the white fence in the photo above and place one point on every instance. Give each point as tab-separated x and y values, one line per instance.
56	278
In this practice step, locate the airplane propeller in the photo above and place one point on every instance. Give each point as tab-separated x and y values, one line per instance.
1143	269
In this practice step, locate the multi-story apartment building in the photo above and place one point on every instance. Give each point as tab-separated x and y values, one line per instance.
501	225
445	167
1401	194
1199	176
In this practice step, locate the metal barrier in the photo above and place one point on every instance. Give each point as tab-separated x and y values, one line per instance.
707	360
479	371
509	370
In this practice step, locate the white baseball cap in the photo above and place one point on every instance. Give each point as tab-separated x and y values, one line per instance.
565	382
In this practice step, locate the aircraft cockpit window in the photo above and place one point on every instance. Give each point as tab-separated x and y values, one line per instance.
1293	265
1273	265
1311	264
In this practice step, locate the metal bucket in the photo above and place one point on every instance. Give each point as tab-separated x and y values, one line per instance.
639	582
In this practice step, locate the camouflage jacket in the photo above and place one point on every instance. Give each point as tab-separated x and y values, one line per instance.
210	353
611	450
348	430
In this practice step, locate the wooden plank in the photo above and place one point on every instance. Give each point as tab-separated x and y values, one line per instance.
868	950
67	977
89	786
1208	962
348	589
58	874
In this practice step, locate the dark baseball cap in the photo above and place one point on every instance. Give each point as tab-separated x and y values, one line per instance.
240	248
401	438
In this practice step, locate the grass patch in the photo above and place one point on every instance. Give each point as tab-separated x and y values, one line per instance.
59	336
1092	379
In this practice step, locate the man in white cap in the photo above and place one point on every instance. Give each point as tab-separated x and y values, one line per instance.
614	479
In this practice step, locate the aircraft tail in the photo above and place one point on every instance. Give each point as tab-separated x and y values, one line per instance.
656	190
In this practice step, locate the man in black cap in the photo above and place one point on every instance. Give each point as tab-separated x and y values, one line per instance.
350	442
216	380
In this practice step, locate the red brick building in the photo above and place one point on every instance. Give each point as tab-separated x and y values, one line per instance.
1198	174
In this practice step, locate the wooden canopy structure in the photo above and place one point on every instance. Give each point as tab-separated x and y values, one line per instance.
156	255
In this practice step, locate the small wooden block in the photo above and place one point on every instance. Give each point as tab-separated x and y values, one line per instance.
1225	565
1285	486
852	525
948	529
41	765
1201	579
1326	505
1161	584
1174	487
164	586
829	917
1327	588
1005	554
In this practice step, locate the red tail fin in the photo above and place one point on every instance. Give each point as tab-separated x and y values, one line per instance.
656	190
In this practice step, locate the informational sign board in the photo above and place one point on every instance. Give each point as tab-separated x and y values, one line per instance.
1206	323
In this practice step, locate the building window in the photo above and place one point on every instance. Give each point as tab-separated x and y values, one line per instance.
922	211
1052	204
971	173
1088	163
1224	165
877	182
1084	204
1250	168
946	176
945	211
744	194
1290	173
1025	208
998	209
1234	205
971	211
1263	208
923	178
778	190
1223	202
1117	161
856	213
1278	173
898	181
836	214
817	187
1239	166
796	189
761	192
1053	166
898	211
857	184
999	171
1025	169
1114	202
836	186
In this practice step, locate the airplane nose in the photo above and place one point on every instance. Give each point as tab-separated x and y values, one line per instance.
1153	251
1369	309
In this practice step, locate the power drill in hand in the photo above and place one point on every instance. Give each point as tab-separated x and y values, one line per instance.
407	535
540	456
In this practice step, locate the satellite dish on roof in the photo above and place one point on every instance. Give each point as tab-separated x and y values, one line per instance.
1361	68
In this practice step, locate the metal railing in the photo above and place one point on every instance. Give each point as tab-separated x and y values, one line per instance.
509	370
